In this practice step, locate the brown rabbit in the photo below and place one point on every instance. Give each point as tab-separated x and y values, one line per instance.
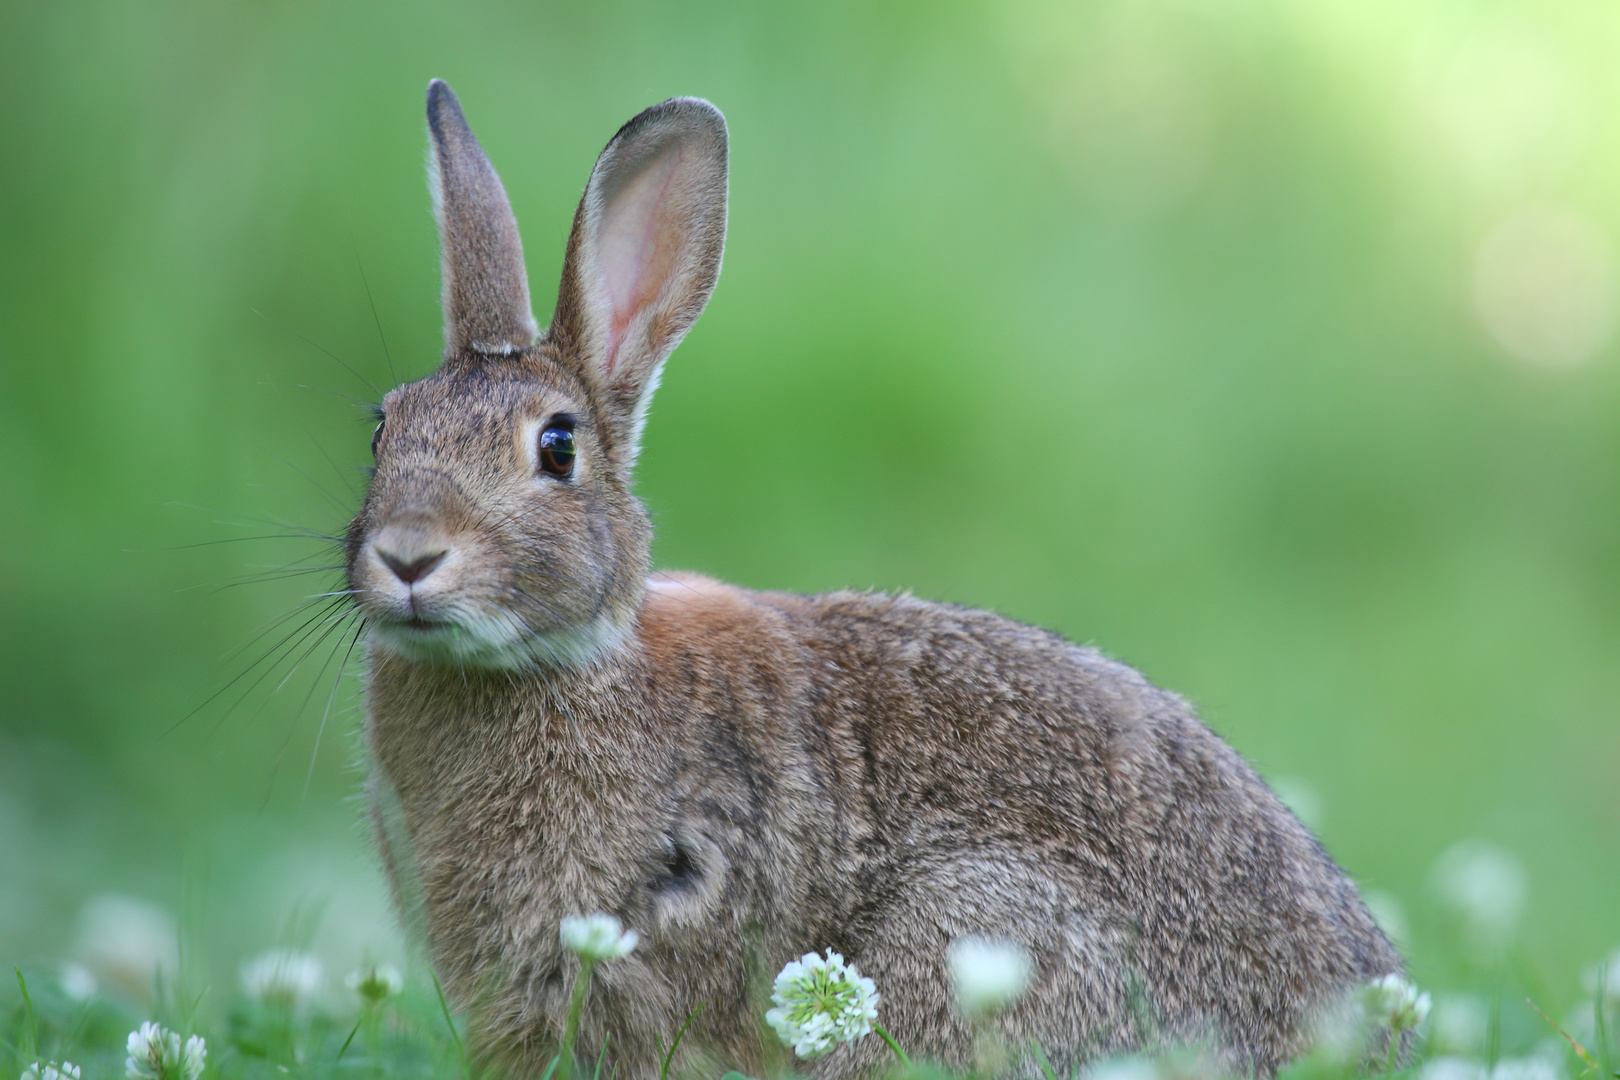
744	777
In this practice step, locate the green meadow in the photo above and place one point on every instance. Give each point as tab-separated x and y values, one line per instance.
1267	345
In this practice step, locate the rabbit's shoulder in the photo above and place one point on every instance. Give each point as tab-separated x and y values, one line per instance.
689	621
933	687
915	662
928	690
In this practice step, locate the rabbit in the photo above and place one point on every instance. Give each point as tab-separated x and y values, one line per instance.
744	777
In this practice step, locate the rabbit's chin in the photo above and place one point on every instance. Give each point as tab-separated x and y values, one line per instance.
494	642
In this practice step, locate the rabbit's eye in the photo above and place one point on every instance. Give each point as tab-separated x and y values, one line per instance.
376	437
557	451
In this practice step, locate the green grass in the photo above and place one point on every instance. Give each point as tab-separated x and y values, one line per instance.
1149	321
1485	1024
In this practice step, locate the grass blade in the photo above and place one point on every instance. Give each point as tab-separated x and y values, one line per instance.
444	1006
666	1059
1040	1059
1580	1051
352	1033
33	1021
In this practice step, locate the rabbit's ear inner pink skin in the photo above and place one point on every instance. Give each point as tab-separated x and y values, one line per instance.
644	255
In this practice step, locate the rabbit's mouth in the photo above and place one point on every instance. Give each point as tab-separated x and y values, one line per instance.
494	640
425	626
414	627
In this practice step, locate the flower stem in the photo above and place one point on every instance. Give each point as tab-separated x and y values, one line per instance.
565	1066
899	1053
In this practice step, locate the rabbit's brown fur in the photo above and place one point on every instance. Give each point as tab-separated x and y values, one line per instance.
745	777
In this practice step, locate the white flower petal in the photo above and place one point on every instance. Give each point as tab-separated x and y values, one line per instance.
989	975
820	1002
596	937
283	977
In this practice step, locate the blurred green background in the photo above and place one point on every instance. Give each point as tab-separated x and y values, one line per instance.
1265	344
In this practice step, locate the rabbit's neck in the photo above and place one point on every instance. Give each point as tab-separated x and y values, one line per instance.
522	797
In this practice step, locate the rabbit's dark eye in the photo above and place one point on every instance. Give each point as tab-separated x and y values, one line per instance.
557	451
376	437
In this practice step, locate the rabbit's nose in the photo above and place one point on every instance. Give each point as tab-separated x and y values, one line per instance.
410	571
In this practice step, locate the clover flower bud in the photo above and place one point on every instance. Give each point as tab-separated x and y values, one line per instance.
1461	1025
1453	1067
156	1053
77	981
375	983
989	975
282	977
596	937
1396	1003
1485	887
821	1001
1132	1067
50	1070
193	1058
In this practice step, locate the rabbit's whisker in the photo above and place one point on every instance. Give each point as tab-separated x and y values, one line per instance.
320	731
330	355
291	727
295	636
361	266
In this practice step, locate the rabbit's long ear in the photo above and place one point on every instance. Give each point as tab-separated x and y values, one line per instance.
486	290
644	253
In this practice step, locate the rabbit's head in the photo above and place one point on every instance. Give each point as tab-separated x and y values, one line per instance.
499	528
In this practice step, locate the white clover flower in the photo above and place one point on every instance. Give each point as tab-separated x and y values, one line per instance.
820	1002
50	1070
1610	970
989	975
596	937
1396	1003
148	1046
1535	1067
1124	1068
155	1053
193	1058
1461	1024
376	982
127	943
1452	1068
1485	887
77	981
282	977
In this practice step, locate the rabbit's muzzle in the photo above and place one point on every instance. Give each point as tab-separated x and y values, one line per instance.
411	551
409	579
470	570
420	569
410	570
